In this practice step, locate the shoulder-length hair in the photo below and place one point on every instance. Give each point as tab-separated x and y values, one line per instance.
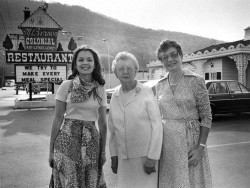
96	74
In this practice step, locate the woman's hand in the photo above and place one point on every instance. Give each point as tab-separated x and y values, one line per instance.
195	155
103	158
114	164
149	166
51	159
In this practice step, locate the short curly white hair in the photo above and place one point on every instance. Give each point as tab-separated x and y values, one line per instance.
125	56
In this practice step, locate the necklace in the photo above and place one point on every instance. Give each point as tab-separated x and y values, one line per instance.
176	82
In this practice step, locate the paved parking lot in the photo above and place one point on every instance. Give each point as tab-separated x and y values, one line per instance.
229	151
24	145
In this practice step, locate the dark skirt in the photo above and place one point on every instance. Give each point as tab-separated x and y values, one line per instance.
77	161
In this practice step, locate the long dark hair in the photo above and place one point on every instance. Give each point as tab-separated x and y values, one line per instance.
96	74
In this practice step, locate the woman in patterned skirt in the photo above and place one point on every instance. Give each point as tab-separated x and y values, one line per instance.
185	108
77	148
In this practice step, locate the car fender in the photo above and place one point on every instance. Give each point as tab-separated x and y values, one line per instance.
213	108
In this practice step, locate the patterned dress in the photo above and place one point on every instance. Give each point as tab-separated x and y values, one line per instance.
181	112
77	160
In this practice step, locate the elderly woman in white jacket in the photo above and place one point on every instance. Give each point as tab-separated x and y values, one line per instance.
135	127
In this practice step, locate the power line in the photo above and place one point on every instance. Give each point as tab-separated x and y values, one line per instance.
3	23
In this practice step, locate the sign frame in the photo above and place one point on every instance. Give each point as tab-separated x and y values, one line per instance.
15	69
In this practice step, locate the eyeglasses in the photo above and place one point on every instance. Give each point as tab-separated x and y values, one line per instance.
173	55
122	69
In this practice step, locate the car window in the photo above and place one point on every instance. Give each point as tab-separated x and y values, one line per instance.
220	88
243	89
234	87
211	89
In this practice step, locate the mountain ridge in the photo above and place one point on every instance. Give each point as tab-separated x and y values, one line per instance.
94	27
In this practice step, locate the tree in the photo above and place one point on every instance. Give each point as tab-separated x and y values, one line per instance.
72	44
59	48
20	47
7	43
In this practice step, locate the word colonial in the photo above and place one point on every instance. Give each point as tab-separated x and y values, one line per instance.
43	41
38	57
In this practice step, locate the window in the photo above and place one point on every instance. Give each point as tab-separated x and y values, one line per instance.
221	88
211	89
234	87
218	75
243	89
213	76
206	76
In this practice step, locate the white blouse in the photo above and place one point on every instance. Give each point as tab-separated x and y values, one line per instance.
87	110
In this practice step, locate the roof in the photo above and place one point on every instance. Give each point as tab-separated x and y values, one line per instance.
224	45
219	50
40	19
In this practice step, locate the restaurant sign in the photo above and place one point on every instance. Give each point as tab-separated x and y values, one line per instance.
40	39
40	73
38	57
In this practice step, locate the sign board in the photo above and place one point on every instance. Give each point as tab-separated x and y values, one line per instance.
40	39
38	57
40	73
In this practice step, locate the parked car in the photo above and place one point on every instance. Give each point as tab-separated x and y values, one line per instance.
39	87
149	83
20	86
46	86
228	96
109	93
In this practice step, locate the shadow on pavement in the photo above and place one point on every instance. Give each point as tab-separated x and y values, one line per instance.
231	122
35	121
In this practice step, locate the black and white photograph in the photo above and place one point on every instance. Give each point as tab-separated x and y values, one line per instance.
124	94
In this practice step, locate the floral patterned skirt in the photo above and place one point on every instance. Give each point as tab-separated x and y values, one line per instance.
77	161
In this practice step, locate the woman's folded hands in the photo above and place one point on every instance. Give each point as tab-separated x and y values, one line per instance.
149	166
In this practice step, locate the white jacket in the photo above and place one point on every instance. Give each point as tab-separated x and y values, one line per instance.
136	129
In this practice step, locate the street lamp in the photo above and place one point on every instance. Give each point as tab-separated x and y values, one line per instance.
107	40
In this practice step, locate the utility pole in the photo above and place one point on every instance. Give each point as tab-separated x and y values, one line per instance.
107	40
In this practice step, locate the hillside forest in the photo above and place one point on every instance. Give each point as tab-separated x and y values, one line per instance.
88	27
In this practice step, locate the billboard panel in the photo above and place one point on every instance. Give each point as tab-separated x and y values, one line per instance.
40	73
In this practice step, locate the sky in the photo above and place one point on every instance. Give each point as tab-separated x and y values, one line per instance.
217	19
